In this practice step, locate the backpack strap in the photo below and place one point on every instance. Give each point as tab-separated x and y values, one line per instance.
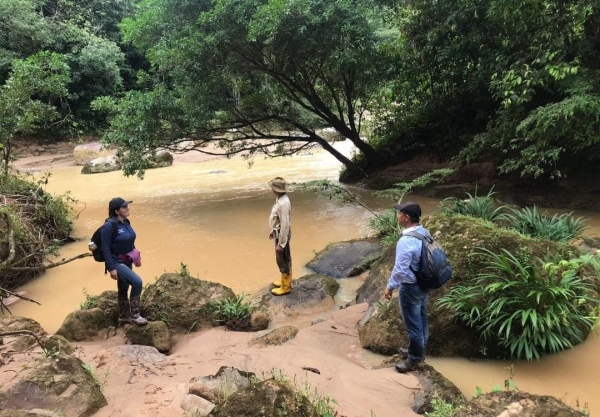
426	238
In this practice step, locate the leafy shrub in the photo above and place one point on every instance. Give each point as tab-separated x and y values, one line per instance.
232	312
530	221
385	225
482	207
528	307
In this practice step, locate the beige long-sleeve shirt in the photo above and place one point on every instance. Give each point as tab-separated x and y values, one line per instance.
280	220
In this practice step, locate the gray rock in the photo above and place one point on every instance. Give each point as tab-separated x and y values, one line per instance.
310	294
102	164
345	259
86	152
20	343
155	333
58	343
161	160
203	391
143	354
275	337
259	320
197	406
225	382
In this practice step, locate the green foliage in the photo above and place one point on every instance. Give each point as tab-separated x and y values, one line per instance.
385	225
440	409
482	207
399	190
232	312
527	306
183	269
44	74
293	67
530	221
91	301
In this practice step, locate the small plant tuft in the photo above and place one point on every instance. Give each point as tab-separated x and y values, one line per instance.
91	301
482	207
232	312
529	221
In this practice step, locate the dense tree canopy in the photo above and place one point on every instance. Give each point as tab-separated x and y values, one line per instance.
255	76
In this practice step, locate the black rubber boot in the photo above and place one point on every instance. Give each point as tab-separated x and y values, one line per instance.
404	353
124	311
408	365
136	318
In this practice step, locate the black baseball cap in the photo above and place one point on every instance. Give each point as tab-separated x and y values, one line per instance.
117	203
411	208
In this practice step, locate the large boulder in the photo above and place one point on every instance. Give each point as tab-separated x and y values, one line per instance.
381	328
515	404
161	160
20	343
182	301
84	324
86	152
155	333
310	294
346	259
269	398
56	383
102	164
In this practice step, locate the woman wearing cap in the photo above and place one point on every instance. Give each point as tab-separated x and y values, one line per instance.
120	255
280	224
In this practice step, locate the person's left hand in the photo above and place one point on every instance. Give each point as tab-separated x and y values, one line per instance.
387	293
139	264
279	248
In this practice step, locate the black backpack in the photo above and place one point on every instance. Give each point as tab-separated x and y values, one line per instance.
97	239
434	269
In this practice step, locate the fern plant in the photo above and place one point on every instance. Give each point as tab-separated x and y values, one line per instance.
528	307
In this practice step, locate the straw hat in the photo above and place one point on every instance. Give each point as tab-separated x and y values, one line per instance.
278	184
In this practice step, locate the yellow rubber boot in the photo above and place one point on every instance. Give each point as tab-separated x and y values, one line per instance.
286	285
278	283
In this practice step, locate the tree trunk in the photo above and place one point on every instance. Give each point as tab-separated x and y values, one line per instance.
338	155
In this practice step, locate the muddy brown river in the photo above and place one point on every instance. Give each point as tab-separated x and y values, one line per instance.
212	217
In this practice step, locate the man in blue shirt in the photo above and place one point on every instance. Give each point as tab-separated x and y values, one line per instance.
412	298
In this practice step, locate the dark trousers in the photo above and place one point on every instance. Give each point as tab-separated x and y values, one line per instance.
284	258
413	305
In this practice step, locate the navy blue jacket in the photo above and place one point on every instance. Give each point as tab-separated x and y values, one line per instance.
124	242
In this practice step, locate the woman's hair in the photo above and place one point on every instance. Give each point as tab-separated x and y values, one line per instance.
111	213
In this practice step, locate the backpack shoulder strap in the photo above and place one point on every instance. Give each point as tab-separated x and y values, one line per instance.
115	228
426	238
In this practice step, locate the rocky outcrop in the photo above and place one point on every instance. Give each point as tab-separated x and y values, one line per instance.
155	333
56	383
275	337
515	404
86	152
269	398
182	301
196	406
346	259
103	164
23	342
225	382
84	324
381	329
310	294
58	344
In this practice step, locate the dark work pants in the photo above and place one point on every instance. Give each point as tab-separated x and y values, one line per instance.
284	258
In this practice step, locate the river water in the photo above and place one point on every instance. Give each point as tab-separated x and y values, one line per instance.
212	217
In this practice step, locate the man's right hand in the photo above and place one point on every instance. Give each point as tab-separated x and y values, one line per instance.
113	274
271	236
387	294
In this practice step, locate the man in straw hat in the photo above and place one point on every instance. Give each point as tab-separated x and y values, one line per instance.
280	224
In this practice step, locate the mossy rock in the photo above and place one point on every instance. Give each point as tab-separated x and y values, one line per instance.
160	160
515	403
181	301
85	324
58	383
155	333
17	323
434	386
269	398
58	343
310	294
461	237
275	337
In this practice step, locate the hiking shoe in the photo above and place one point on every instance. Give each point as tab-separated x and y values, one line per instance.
407	366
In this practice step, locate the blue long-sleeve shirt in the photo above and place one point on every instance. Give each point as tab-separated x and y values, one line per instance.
408	254
124	242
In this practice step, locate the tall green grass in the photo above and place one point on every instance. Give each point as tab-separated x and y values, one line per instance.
559	228
482	207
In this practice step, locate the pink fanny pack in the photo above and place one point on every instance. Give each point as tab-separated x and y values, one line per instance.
134	257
